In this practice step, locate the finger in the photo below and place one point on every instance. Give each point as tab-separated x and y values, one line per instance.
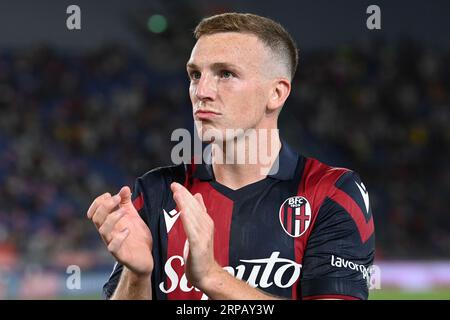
178	188
199	199
96	203
188	208
125	196
174	186
117	241
186	250
198	229
105	208
185	199
192	212
107	227
193	227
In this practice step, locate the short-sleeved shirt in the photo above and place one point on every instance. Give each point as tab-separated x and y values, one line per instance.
304	232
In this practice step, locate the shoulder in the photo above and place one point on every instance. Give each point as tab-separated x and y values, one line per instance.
325	179
162	177
339	187
339	194
152	188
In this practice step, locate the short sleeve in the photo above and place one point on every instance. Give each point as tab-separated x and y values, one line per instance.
341	246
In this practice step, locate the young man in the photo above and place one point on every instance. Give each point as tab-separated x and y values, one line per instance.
295	229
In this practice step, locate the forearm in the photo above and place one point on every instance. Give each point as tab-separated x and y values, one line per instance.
222	286
133	287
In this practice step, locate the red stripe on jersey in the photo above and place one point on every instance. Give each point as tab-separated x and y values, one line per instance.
330	296
138	203
317	179
289	220
220	209
329	189
365	228
189	172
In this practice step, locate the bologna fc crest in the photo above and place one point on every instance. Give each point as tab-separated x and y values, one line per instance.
295	216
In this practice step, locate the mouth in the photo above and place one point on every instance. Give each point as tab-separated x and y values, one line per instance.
206	114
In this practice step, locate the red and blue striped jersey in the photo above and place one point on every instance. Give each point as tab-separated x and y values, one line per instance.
303	232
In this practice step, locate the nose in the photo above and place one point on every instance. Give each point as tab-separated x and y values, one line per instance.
206	88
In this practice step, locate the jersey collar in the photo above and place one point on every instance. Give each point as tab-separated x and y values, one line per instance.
287	164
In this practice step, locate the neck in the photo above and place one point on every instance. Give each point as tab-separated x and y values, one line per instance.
245	159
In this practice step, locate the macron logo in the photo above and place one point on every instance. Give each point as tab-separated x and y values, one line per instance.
170	218
364	194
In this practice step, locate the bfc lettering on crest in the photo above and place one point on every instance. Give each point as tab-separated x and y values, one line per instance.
295	216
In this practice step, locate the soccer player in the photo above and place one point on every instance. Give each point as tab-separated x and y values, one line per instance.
293	229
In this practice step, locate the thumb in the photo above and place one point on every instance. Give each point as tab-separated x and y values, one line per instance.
199	199
125	196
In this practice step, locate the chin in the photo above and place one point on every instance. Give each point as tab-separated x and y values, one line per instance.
209	135
207	132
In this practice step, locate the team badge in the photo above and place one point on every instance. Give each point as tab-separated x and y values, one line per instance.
295	216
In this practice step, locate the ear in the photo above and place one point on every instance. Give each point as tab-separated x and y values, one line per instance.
281	88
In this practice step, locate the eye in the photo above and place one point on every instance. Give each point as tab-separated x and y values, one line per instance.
195	75
226	74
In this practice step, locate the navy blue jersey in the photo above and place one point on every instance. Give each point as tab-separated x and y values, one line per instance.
304	232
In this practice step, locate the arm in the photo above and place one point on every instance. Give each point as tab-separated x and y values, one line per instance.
220	285
340	249
133	286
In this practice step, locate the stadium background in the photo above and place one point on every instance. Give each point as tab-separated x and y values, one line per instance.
85	112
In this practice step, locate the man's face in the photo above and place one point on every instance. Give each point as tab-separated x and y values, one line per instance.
229	83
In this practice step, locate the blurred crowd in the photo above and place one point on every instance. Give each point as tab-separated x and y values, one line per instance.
73	126
384	111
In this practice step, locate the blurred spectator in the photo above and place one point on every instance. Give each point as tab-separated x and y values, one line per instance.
75	126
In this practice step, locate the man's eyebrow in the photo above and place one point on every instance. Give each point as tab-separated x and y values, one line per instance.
216	65
191	65
224	65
